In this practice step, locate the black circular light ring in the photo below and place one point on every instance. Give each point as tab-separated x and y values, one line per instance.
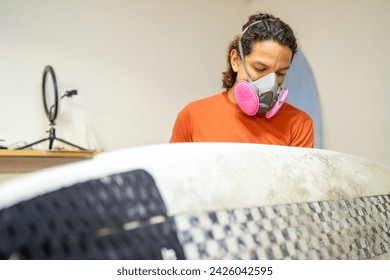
53	110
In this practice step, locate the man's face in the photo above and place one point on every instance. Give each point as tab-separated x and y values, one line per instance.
266	57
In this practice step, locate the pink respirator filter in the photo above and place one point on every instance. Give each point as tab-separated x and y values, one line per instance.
248	100
272	112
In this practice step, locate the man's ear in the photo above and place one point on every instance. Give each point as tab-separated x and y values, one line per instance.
235	60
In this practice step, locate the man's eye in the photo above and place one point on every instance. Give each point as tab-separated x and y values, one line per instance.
280	73
260	70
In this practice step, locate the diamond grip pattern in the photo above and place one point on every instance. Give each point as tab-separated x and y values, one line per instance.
86	221
356	228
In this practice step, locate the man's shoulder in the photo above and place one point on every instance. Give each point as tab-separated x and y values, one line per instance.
291	110
209	101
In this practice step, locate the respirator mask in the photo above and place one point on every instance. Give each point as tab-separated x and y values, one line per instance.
261	96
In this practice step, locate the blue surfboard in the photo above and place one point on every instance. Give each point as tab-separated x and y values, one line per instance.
303	93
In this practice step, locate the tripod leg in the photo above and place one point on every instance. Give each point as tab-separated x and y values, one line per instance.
51	143
32	144
66	142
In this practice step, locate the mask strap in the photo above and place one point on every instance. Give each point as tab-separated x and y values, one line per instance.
241	51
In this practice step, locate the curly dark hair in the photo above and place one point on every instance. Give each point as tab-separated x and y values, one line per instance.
270	28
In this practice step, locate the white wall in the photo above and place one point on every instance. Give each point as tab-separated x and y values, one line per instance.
347	44
135	64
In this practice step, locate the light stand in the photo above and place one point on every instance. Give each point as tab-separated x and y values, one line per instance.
51	112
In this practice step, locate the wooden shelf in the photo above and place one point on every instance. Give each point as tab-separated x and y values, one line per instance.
21	161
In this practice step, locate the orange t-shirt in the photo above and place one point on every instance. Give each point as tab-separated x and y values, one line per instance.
217	119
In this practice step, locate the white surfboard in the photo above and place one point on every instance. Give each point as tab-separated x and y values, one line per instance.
200	201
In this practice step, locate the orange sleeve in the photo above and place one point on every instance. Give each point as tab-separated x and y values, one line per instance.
303	135
181	131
